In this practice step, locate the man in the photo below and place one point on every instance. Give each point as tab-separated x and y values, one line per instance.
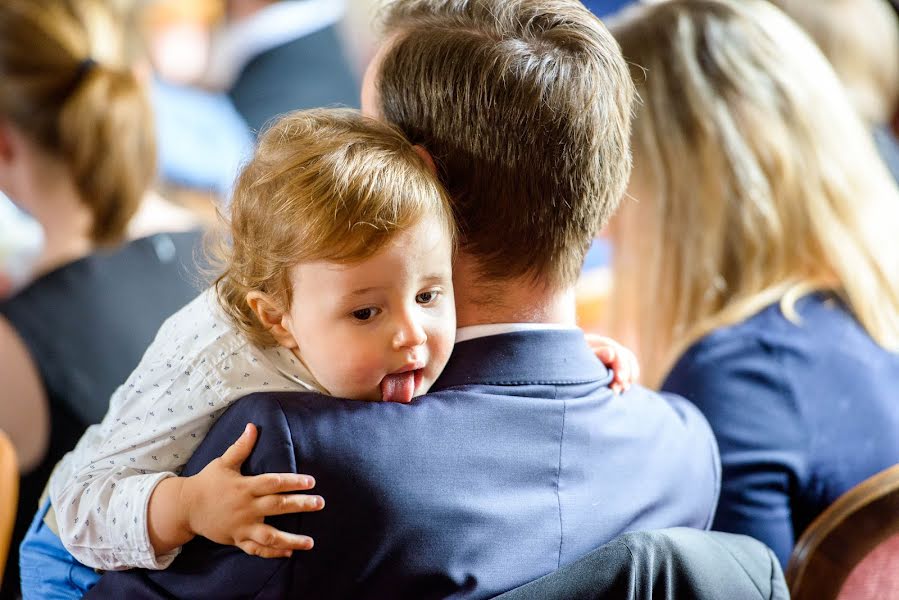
521	459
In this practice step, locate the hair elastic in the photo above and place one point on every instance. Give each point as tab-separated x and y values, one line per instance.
84	67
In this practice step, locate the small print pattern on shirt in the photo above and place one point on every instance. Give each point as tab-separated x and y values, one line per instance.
197	366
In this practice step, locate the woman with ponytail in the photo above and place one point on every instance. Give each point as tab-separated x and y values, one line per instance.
77	153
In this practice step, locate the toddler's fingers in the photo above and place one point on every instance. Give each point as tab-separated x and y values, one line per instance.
283	504
254	549
594	340
607	350
630	368
271	538
606	355
241	449
275	483
623	374
635	368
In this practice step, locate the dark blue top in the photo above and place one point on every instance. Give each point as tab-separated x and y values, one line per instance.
520	460
802	412
86	326
307	72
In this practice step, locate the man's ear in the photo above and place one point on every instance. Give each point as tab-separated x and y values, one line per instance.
272	317
426	156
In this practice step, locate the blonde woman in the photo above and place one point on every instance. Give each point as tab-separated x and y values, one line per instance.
758	259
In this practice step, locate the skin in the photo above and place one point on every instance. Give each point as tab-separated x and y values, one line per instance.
387	314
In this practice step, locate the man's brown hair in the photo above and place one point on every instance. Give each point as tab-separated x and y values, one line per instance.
525	106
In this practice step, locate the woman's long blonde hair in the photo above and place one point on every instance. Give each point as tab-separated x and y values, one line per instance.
860	39
763	183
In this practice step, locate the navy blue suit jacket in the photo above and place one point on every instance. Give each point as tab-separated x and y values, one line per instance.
520	460
802	412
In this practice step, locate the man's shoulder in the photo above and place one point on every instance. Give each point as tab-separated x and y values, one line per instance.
275	407
673	427
265	410
643	402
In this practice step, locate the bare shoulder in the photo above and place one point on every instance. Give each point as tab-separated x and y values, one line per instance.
24	413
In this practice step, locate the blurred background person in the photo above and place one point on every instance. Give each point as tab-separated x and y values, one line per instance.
202	139
276	56
77	154
758	263
222	69
860	38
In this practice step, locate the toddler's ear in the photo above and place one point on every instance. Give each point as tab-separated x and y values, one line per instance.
272	317
425	156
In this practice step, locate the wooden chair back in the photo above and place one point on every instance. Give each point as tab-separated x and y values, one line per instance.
852	549
9	496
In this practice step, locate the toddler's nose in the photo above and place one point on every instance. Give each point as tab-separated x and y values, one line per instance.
409	333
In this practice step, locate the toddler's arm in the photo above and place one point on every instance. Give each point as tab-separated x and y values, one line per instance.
125	507
102	492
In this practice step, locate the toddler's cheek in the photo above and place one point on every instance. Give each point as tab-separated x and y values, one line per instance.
365	376
442	349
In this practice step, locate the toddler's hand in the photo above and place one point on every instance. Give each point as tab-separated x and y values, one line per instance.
228	508
613	355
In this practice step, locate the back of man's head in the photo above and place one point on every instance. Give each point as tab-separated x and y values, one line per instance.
525	106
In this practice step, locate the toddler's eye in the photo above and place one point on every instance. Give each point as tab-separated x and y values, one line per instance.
364	314
426	297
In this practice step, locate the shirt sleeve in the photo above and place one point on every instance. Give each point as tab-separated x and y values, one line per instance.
235	573
155	422
742	389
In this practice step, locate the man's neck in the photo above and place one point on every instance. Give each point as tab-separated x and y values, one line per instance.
520	300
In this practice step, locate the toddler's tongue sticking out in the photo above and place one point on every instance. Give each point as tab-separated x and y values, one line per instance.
399	387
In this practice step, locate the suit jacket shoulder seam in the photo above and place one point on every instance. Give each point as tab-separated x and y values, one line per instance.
559	475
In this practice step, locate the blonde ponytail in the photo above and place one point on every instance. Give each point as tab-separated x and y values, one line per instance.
106	136
76	100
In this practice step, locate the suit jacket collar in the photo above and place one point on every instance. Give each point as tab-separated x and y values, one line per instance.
522	358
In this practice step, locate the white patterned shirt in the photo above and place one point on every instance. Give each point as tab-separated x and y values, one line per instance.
197	366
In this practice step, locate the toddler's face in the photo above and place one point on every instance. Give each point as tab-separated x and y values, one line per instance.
381	329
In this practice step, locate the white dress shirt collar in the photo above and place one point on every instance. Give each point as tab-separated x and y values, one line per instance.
463	334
